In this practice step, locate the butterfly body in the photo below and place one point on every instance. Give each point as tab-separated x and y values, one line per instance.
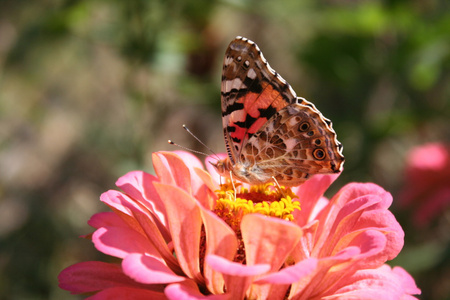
270	133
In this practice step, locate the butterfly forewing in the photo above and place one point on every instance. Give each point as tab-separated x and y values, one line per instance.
252	92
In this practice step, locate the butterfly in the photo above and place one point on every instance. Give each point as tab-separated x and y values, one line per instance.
270	133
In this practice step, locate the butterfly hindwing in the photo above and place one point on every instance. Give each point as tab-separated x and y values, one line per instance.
294	144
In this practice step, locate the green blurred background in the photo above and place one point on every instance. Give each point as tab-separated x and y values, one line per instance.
89	89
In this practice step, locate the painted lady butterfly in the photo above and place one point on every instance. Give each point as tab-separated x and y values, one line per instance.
270	133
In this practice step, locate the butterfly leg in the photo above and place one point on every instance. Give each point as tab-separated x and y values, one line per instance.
278	186
232	183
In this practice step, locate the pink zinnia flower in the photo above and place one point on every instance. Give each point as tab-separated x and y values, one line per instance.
427	182
181	235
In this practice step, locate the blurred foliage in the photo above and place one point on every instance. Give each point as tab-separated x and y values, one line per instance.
89	89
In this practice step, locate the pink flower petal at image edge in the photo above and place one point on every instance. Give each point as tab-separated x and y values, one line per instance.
427	183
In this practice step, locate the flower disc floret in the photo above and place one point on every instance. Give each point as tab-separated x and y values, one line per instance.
237	201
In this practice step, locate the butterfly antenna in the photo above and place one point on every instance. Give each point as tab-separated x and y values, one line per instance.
198	140
185	148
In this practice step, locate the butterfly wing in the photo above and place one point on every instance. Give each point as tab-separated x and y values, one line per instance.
294	144
252	92
269	131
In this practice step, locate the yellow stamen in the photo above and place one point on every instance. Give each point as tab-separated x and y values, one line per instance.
235	201
264	199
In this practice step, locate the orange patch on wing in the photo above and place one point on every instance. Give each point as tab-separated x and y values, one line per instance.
268	97
239	133
255	126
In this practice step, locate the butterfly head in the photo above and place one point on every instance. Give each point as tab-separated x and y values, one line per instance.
222	167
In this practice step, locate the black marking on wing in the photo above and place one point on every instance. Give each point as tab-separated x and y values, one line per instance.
232	108
235	93
236	140
267	112
248	120
253	85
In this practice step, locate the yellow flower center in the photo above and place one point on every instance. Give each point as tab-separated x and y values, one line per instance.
235	201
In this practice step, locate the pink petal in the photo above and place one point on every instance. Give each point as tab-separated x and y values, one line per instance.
384	221
106	219
189	159
362	248
268	240
120	242
320	279
228	267
127	293
290	274
92	276
134	183
275	285
238	277
142	221
172	170
309	194
188	291
331	269
185	226
199	177
355	190
370	243
344	255
128	206
139	186
320	205
206	178
146	269
368	210
407	281
381	283
220	240
205	194
339	220
306	245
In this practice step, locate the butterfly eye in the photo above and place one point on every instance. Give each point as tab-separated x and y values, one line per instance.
310	133
319	154
317	142
304	126
246	64
239	58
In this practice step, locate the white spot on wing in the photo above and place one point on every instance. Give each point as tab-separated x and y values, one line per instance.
251	74
233	84
228	60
